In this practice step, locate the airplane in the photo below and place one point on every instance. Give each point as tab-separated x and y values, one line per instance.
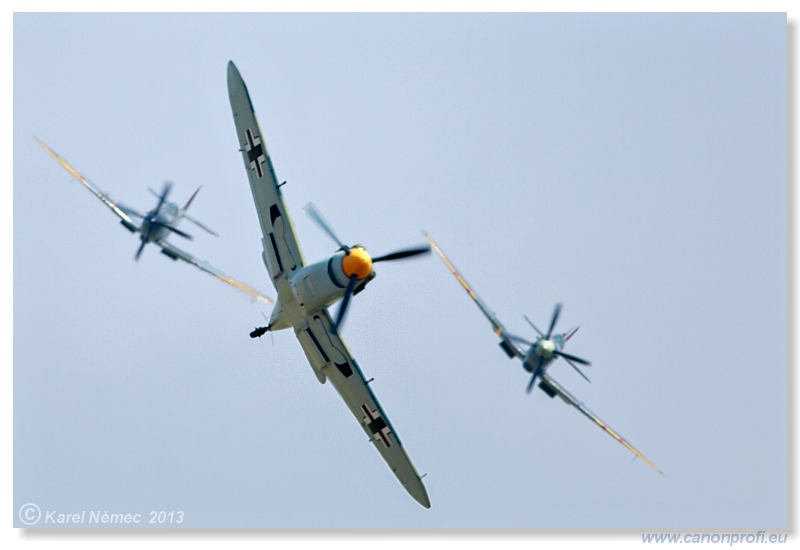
306	290
539	355
157	224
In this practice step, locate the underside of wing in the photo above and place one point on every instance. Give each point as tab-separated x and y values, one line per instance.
119	210
281	250
552	388
170	250
508	344
331	360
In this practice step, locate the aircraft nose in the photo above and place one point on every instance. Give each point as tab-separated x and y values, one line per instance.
545	348
357	262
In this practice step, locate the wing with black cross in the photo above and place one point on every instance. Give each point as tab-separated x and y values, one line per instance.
281	250
552	387
507	339
331	359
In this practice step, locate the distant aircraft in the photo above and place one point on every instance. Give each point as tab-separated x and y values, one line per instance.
157	224
537	356
305	291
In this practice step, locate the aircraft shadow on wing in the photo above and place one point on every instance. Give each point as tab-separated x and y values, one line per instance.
305	291
538	355
157	224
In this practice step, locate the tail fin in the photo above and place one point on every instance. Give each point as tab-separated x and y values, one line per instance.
189	202
200	225
570	334
193	220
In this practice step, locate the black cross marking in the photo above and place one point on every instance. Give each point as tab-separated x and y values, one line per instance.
377	425
255	152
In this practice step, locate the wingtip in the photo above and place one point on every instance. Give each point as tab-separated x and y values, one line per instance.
421	497
43	145
416	488
648	462
233	72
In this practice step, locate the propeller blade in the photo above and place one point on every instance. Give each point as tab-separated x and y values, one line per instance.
553	320
539	332
164	194
401	254
516	338
535	373
141	247
317	217
200	225
130	211
531	383
573	358
174	230
571	364
348	293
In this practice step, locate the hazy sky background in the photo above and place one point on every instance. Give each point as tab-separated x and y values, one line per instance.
633	166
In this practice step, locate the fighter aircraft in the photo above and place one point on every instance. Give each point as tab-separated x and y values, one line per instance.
539	355
157	224
305	291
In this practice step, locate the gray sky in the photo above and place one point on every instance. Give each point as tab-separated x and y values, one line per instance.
633	166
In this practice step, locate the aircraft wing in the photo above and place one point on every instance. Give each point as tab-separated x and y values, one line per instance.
177	254
571	400
121	211
281	251
331	359
498	327
125	213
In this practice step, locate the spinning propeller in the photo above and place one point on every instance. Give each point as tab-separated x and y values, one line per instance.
186	216
151	223
547	347
357	263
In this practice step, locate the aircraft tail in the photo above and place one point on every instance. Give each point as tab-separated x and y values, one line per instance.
189	202
570	334
194	220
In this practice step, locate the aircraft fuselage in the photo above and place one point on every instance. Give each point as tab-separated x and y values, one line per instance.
542	353
152	228
311	289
